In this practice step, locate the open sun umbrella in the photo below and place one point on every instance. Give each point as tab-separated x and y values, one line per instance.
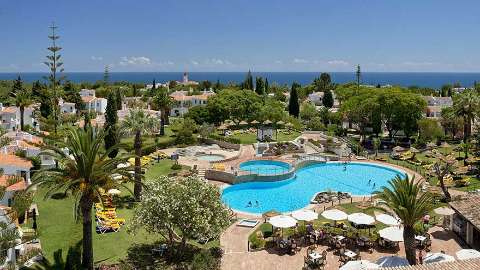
438	257
444	211
254	122
392	261
283	221
359	265
387	220
305	215
267	122
466	254
414	150
334	214
361	219
393	234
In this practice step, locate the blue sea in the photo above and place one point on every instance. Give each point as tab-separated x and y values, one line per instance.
423	79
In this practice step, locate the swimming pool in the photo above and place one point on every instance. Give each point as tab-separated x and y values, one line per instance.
211	157
295	193
265	167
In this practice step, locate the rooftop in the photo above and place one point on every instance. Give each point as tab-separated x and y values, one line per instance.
5	181
13	160
456	265
468	208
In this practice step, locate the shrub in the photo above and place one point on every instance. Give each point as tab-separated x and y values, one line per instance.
176	166
256	242
204	260
225	139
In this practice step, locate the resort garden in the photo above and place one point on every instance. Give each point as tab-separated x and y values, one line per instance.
144	192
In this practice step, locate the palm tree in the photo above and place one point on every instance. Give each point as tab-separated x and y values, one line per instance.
84	169
22	98
466	106
164	102
405	199
138	123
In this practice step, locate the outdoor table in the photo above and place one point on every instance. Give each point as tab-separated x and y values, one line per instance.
350	254
315	255
339	237
420	238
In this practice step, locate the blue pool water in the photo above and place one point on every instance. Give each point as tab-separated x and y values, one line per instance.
265	167
296	193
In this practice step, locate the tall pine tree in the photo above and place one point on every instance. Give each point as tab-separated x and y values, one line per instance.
118	99
259	86
293	104
111	120
267	86
327	98
248	83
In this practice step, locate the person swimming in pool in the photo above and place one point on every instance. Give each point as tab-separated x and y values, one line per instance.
249	204
344	167
369	181
257	204
374	185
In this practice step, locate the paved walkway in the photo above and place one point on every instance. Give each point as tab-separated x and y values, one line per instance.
234	242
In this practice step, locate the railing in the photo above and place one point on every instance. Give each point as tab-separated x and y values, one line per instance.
265	172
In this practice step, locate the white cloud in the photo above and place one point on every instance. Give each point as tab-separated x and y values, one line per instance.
217	61
412	63
299	61
278	62
338	62
195	62
135	61
96	58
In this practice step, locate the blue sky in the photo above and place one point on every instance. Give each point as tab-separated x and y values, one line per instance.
237	35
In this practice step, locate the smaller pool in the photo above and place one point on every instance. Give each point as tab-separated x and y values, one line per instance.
211	157
265	167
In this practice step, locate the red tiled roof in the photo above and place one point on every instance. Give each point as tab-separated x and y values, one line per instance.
14	160
88	99
20	185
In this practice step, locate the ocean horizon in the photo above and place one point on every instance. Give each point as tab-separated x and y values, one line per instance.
405	79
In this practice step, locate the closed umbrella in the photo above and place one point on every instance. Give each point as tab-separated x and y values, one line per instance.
392	261
283	221
398	149
414	150
359	265
387	220
466	254
305	215
444	211
334	214
361	219
438	257
393	234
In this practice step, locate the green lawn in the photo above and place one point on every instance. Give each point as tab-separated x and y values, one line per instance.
248	138
59	231
149	140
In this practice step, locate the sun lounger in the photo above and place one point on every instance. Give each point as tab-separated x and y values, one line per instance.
250	223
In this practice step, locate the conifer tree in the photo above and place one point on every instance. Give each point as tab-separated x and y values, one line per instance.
259	86
118	99
248	83
71	94
110	126
293	104
55	64
106	75
267	86
327	98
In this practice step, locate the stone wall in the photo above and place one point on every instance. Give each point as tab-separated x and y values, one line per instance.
220	176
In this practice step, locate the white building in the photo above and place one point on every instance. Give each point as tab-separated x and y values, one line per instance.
10	117
183	101
14	165
93	103
435	105
67	107
186	82
316	98
28	143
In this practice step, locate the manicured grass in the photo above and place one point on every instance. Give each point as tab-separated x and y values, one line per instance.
248	138
59	231
149	140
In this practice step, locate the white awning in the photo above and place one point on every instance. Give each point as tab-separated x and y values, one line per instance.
465	254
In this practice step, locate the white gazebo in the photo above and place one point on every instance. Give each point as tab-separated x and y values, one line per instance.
392	261
282	221
466	254
305	215
334	214
437	257
393	234
387	220
361	219
359	265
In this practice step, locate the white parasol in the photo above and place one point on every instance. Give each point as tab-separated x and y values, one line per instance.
393	234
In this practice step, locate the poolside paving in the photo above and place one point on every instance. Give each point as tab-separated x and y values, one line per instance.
237	256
